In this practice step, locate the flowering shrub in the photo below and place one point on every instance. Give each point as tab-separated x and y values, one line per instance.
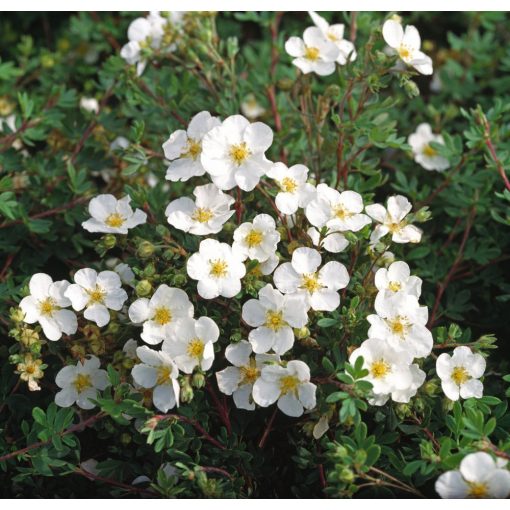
229	257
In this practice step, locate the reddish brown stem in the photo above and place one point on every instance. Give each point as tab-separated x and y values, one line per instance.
115	483
221	408
268	428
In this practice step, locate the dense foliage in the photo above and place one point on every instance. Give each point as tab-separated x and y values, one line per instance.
77	121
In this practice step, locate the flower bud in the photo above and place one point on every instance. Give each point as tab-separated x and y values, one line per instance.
128	363
419	404
109	241
143	288
285	84
180	280
302	333
78	351
186	391
125	438
198	380
403	411
346	475
91	331
293	245
145	249
17	314
332	91
229	227
29	337
150	270
411	88
430	388
423	215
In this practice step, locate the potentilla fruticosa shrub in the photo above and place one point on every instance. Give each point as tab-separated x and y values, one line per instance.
244	245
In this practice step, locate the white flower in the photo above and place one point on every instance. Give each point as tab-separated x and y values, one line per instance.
206	215
126	275
113	216
401	321
161	313
314	53
289	385
157	370
274	315
233	153
269	265
191	344
120	143
392	221
129	348
45	305
217	269
80	383
460	372
257	240
89	104
479	476
402	396
250	107
339	212
388	370
184	148
294	190
319	287
97	293
406	45
335	34
424	154
334	242
396	279
238	379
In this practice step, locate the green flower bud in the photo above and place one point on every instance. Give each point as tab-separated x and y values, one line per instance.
128	363
17	314
301	333
403	411
332	91
360	457
78	351
423	215
419	404
150	270
145	249
229	227
143	288
411	88
346	475
285	84
180	280
125	438
198	380
430	387
109	241
186	390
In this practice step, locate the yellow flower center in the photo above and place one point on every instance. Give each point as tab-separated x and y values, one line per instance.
82	382
115	220
96	295
274	320
460	375
310	283
380	369
341	213
239	153
289	384
249	373
312	53
47	306
332	36
288	185
395	227
202	215
398	325
164	374
162	316
193	149
429	151
394	286
195	348
477	490
404	52
254	238
219	268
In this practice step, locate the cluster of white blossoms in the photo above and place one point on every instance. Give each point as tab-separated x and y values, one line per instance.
321	48
155	32
479	476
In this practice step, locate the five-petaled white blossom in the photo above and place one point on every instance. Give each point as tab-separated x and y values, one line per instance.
184	148
401	321
256	240
217	268
460	373
479	476
238	380
161	313
334	242
46	304
314	53
302	276
234	153
112	216
289	385
396	279
191	344
424	154
406	44
206	215
97	293
294	191
392	220
157	370
274	315
335	34
80	383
